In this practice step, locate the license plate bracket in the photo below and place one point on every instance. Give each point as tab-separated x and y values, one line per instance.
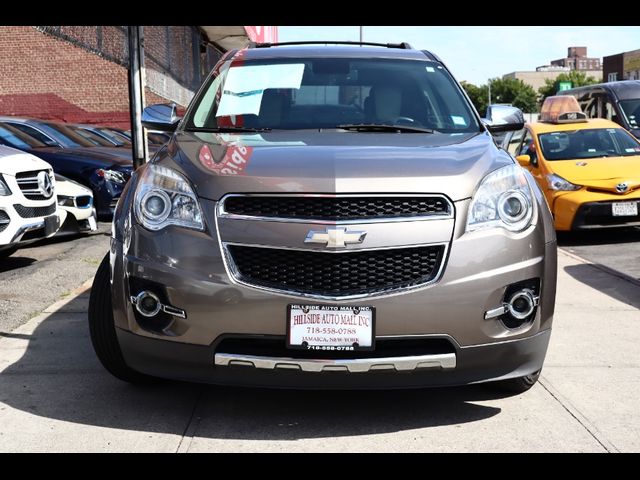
331	327
624	209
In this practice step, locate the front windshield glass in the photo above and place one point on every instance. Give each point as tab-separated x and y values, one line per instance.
588	143
91	137
65	135
314	93
15	138
631	109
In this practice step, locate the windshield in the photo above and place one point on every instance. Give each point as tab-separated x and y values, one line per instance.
91	137
631	110
116	137
65	135
13	137
588	143
314	93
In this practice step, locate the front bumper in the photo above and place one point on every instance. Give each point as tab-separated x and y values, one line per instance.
16	229
580	211
186	268
473	364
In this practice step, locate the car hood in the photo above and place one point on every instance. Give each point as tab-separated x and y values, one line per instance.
69	188
600	173
89	155
333	162
13	161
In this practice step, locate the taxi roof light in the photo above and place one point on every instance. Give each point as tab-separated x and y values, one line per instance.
561	109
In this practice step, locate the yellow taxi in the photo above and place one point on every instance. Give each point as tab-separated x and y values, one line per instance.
588	169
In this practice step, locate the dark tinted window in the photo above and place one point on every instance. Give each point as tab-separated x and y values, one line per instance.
631	109
32	132
13	137
65	135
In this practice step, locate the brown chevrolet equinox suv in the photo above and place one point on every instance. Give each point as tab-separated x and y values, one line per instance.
328	216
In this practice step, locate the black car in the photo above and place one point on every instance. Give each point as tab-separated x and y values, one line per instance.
105	174
615	101
112	137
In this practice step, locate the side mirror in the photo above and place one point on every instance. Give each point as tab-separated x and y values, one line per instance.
162	117
503	118
524	160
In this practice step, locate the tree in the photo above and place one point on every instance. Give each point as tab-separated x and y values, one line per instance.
577	79
479	96
515	92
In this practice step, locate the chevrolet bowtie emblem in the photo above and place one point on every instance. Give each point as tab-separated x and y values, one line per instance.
335	237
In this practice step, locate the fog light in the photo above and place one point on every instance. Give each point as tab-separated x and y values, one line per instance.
147	304
521	304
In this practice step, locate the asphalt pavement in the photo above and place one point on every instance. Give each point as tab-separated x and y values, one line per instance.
614	249
55	396
36	276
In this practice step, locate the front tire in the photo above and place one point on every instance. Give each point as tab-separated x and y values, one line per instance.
520	384
103	331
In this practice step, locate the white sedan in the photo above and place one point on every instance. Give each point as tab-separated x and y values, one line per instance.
77	200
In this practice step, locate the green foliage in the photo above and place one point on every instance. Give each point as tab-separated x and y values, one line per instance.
503	90
515	92
479	96
577	79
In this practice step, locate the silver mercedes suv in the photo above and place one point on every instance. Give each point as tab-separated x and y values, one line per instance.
328	216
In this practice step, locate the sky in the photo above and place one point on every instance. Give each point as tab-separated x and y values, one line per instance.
476	54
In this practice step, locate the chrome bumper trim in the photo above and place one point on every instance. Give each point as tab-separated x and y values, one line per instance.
358	365
27	228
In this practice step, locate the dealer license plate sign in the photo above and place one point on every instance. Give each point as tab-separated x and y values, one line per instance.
330	327
624	209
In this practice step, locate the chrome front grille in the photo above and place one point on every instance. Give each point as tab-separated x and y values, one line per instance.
28	183
337	208
336	275
402	242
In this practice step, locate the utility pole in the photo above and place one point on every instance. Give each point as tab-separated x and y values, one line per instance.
360	34
489	86
136	94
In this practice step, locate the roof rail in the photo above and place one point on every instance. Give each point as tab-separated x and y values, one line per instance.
402	45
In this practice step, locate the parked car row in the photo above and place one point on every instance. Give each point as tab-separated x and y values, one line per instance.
94	156
60	177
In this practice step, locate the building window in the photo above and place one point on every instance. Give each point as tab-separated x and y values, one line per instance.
582	65
613	77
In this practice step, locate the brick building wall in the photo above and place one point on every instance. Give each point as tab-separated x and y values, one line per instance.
47	78
84	80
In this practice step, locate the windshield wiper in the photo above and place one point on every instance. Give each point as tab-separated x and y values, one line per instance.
228	129
383	127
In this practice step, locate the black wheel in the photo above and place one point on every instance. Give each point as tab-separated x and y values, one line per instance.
7	252
103	330
520	384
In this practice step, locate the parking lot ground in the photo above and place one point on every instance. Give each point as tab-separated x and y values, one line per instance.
55	396
617	249
36	276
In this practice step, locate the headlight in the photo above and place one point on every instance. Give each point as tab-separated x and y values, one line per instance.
503	199
164	197
111	176
556	182
4	188
65	201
